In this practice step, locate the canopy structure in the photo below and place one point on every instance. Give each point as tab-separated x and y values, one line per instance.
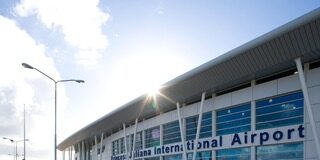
271	53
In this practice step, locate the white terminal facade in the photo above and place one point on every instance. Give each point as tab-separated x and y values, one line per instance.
260	101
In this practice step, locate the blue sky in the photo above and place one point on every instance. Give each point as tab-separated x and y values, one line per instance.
121	48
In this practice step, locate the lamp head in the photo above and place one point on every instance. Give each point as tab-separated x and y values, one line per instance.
25	65
79	81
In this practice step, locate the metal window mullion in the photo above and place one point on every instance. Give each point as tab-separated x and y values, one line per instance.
308	104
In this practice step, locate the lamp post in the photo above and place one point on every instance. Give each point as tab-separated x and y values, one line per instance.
14	150
25	65
15	142
24	132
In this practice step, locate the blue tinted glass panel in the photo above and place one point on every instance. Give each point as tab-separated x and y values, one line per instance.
153	158
115	147
278	100
234	154
152	137
205	129
171	133
233	120
201	155
122	148
280	111
233	110
281	152
138	144
173	157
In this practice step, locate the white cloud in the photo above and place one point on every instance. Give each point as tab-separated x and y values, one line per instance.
19	86
81	22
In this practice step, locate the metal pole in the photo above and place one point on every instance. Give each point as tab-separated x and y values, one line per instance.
184	155
55	120
16	150
199	126
24	132
25	65
308	105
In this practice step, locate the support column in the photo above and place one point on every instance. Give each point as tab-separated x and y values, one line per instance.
253	120
96	147
101	146
198	126
134	139
161	138
125	140
82	151
308	105
63	154
72	151
79	151
213	121
87	149
184	155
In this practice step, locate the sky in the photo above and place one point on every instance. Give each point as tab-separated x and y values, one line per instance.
121	48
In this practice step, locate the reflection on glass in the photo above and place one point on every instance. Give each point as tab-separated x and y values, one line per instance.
280	111
280	152
234	154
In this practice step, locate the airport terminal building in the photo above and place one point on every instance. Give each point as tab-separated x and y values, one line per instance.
260	101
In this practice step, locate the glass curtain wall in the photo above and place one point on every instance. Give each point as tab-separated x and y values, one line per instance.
292	151
171	133
205	129
234	154
234	119
152	137
280	111
201	155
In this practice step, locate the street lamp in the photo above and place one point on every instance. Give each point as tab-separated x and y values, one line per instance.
15	150
25	65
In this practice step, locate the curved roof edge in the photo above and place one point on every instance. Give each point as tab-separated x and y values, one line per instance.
85	133
249	45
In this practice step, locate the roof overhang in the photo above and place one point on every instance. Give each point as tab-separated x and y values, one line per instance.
273	52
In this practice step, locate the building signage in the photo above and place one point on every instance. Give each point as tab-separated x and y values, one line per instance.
260	137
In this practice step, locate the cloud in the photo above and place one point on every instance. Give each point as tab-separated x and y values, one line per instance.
80	21
19	86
